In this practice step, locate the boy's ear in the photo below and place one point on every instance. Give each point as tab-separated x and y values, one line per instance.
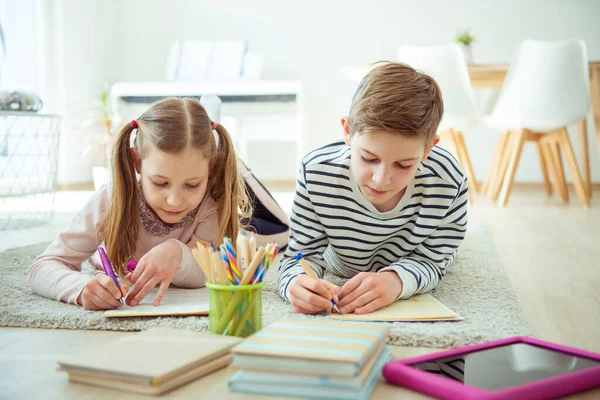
436	140
137	162
346	129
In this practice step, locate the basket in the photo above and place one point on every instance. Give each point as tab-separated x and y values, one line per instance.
28	164
235	310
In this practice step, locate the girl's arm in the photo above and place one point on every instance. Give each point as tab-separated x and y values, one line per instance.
423	269
189	274
56	272
307	236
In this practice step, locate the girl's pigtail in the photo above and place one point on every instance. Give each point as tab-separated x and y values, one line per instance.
120	226
228	187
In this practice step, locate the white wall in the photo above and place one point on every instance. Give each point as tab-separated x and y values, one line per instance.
312	41
82	42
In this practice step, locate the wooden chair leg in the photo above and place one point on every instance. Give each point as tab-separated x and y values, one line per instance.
466	161
494	164
585	157
513	163
565	143
453	143
563	189
552	167
503	165
544	167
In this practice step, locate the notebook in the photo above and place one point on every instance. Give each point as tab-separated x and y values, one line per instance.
175	302
421	308
312	387
150	362
312	346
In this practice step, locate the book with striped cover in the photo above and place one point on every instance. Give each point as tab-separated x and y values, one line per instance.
313	387
312	346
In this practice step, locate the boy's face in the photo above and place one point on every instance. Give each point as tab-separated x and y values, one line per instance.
384	163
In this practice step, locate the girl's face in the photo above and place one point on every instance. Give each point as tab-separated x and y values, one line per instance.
384	163
173	184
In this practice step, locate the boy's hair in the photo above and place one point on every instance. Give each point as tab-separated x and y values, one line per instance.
170	125
395	97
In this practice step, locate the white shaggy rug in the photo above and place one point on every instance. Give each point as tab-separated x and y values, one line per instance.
476	287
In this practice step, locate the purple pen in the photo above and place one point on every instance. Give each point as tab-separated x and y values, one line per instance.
110	271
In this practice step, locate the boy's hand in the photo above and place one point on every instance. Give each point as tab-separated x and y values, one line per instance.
311	296
369	291
101	293
158	266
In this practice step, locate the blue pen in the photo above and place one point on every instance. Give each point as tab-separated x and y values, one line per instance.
311	274
110	271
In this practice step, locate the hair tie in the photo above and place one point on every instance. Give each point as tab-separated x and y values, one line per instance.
134	124
214	125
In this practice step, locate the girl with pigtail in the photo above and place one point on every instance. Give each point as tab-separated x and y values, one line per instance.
174	183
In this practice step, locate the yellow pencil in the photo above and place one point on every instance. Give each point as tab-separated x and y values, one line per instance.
201	263
252	268
311	274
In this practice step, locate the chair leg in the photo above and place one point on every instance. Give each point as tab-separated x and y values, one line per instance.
503	165
466	161
494	163
585	156
552	167
513	163
565	143
454	142
544	167
563	190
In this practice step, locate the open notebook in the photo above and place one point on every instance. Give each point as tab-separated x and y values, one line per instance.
176	302
420	308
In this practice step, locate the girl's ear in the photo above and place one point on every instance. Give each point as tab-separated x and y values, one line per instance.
346	129
137	162
436	140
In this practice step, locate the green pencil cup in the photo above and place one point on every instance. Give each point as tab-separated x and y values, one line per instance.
235	310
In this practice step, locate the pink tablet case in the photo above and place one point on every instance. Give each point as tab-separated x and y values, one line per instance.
402	373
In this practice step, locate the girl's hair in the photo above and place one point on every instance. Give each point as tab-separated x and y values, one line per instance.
171	125
397	98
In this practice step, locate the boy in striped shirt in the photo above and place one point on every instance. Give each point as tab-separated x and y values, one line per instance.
385	207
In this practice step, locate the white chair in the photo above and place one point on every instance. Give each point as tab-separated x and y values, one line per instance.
446	64
546	89
212	60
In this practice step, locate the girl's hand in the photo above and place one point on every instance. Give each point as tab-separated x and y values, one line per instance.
311	296
369	291
158	266
101	293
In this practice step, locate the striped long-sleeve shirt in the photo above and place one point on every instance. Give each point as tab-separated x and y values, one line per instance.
338	230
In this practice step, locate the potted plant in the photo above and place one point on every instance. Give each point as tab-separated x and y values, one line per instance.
465	39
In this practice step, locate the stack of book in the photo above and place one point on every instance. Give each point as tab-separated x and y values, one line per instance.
151	362
312	358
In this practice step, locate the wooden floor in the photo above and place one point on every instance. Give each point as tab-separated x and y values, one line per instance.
551	252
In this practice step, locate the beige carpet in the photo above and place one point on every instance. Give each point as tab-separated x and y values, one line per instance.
476	287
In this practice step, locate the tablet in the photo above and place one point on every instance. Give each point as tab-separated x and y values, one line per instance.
513	368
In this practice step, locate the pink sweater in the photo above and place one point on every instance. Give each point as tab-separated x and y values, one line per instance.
56	272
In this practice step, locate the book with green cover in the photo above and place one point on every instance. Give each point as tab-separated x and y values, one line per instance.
314	387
